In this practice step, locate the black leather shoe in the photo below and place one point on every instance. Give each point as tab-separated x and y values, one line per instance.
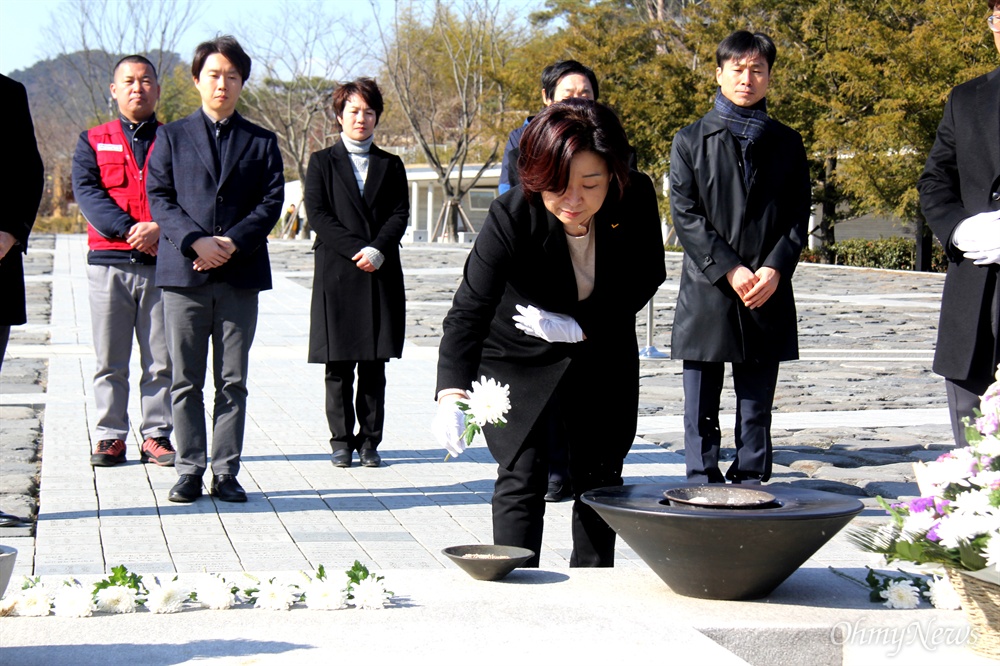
369	458
227	488
8	520
187	489
341	458
559	492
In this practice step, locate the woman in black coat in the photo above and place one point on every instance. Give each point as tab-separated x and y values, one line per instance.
547	305
357	203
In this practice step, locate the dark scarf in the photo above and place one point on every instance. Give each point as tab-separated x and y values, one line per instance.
747	124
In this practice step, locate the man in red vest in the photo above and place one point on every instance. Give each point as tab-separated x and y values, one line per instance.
109	170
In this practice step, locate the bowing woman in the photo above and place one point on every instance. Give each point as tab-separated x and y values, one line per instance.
547	305
357	202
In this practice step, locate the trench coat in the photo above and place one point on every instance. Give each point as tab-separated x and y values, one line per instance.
721	224
521	258
961	179
356	316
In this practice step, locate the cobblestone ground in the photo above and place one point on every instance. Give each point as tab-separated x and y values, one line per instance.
866	339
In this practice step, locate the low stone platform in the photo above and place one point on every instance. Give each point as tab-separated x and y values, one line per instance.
851	416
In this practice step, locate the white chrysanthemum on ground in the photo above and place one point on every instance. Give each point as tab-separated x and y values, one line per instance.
488	402
274	596
326	595
33	602
901	594
73	601
244	582
942	594
370	593
167	598
215	593
116	599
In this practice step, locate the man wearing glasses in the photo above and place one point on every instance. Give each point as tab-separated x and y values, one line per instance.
960	198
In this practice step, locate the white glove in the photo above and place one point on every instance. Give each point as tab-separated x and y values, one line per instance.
983	257
548	326
449	424
977	233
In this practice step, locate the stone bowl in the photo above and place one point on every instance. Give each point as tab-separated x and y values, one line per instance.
723	553
7	557
487	562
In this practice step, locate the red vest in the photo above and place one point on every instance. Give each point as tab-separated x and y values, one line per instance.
120	175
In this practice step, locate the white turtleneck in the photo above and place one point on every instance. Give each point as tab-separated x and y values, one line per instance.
358	152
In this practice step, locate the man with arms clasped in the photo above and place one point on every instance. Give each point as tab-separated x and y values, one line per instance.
216	188
739	196
960	198
109	168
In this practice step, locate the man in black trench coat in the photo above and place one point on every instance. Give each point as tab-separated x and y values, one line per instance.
960	197
739	196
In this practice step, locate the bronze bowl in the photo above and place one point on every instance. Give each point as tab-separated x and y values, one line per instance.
718	552
487	562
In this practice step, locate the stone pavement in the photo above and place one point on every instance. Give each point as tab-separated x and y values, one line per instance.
851	416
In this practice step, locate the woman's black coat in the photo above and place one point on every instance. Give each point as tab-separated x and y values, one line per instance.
722	225
521	258
356	316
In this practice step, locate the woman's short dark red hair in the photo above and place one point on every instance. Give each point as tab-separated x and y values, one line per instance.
561	131
366	89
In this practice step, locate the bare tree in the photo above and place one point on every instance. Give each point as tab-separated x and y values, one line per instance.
86	39
442	69
97	33
302	53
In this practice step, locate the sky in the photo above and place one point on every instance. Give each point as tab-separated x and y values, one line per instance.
23	24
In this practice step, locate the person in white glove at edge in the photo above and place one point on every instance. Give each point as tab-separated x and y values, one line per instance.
960	199
547	306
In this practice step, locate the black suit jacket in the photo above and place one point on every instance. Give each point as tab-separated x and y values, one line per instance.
190	201
356	316
521	258
961	179
22	192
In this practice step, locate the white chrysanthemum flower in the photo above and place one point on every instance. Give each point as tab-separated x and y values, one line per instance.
167	598
274	596
73	601
992	550
901	594
488	402
971	501
915	525
33	602
116	599
942	594
956	528
370	594
215	593
988	446
953	467
987	479
325	595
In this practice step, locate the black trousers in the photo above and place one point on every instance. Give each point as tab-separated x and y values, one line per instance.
754	383
518	496
342	412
